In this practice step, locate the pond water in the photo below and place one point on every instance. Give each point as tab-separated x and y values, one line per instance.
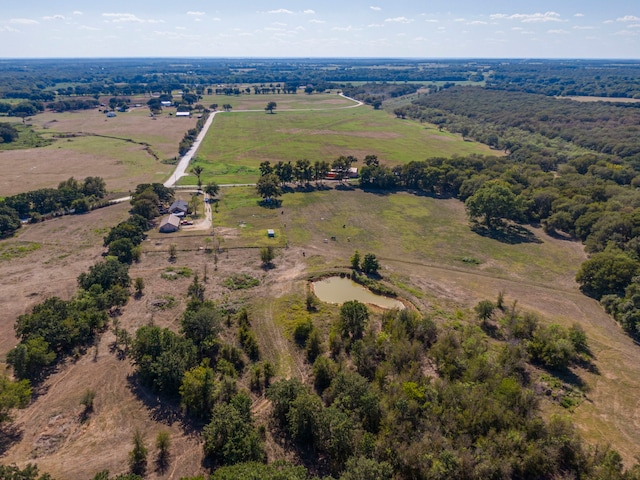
340	290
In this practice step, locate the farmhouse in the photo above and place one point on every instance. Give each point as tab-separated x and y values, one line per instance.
179	207
169	224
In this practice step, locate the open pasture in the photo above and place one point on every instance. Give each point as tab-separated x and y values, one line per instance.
285	102
124	150
238	142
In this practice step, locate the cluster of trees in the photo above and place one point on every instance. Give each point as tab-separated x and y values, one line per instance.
8	133
192	134
23	109
70	104
147	199
70	196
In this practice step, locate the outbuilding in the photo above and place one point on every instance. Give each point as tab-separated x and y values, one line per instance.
271	233
170	224
183	114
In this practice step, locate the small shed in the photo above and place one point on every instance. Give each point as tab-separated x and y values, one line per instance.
179	206
169	224
271	233
165	103
183	114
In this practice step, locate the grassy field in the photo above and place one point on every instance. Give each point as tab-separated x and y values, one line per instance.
126	150
238	142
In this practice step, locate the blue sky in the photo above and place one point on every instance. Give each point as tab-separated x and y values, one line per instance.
331	28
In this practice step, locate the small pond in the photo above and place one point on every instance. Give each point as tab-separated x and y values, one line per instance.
340	290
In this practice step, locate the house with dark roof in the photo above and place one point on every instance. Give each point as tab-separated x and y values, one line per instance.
179	207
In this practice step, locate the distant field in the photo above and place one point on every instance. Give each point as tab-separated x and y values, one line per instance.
604	99
285	102
124	160
238	142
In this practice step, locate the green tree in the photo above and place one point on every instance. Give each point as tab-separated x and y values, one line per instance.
12	395
267	254
198	170
607	273
122	249
268	187
362	468
30	357
230	437
493	201
138	285
163	443
353	319
355	260
197	390
138	455
370	264
107	274
484	309
212	189
271	106
9	221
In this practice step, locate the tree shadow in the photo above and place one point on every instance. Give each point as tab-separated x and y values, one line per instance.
511	234
345	187
163	409
10	434
270	203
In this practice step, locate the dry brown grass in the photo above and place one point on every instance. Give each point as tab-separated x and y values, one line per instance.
123	161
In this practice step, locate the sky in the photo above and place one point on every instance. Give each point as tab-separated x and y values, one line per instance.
328	28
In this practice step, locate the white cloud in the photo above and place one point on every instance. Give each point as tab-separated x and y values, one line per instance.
196	14
375	25
585	27
628	18
626	33
557	32
376	9
23	21
309	12
281	10
88	28
477	22
460	20
634	25
579	15
399	20
315	20
608	21
54	17
77	12
345	29
122	17
432	20
8	29
279	24
216	19
529	17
